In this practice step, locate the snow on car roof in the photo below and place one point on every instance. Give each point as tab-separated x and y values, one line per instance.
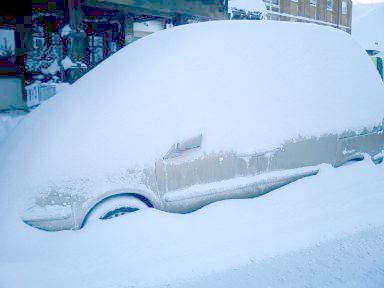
246	86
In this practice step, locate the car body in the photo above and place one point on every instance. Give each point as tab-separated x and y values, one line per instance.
197	114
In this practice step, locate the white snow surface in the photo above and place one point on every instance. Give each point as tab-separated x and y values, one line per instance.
233	184
247	86
367	25
60	86
247	5
8	121
321	231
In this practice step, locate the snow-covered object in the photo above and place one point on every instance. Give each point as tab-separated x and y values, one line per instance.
52	69
148	26
67	63
247	5
66	30
368	23
246	86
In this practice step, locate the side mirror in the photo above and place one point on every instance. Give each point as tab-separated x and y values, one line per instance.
179	148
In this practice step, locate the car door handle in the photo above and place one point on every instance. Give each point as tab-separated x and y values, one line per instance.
179	148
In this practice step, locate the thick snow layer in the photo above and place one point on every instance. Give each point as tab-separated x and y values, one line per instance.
236	183
367	25
353	261
247	86
60	86
8	121
321	231
247	5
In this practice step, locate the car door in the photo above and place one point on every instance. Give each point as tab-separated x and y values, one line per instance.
352	145
185	165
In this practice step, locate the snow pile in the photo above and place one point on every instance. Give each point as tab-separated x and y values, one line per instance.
247	5
246	86
52	69
8	121
66	30
322	231
368	23
67	64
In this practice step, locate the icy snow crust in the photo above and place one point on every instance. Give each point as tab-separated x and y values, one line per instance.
247	86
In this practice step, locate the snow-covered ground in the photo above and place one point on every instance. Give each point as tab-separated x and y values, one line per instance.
322	231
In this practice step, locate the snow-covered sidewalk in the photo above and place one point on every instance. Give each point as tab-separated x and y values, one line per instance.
321	231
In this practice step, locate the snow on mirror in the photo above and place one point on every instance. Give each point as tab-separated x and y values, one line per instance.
179	148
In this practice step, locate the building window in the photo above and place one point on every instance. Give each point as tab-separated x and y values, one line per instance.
38	38
313	3
272	5
275	2
274	17
7	43
96	47
344	8
330	5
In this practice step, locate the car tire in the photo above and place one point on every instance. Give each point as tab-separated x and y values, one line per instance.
115	206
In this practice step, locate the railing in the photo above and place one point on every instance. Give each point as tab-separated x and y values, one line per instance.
36	93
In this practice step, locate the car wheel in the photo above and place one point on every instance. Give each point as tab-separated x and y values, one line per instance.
115	206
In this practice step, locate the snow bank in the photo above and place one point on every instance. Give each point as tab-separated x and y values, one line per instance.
368	23
274	240
8	121
247	86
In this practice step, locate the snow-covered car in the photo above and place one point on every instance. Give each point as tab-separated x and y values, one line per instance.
193	115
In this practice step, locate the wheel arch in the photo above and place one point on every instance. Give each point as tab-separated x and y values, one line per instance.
146	198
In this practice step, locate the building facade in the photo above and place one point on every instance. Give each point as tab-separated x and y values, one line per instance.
63	39
335	13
